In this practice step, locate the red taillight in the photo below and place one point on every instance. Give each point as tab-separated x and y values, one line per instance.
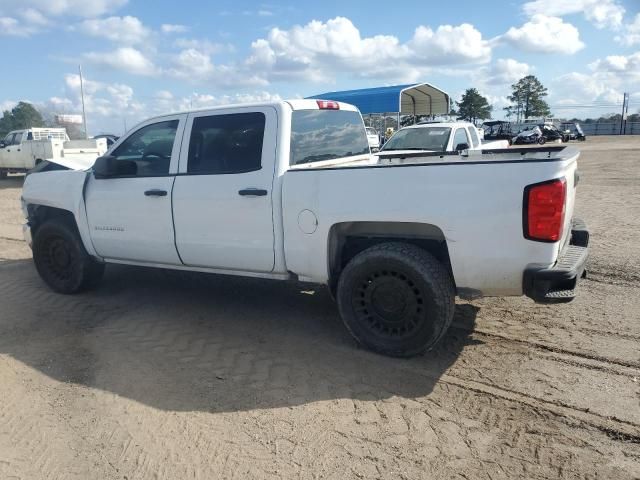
328	105
544	205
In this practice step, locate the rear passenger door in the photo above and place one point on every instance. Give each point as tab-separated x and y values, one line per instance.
222	197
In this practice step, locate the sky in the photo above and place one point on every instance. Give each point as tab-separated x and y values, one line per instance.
144	58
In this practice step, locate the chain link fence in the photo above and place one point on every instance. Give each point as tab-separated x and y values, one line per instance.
611	128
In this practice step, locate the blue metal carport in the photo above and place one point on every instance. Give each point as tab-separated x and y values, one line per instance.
411	99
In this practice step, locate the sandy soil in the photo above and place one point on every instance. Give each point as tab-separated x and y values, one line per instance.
167	375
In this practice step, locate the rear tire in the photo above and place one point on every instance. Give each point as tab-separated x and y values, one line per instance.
396	299
3	175
61	259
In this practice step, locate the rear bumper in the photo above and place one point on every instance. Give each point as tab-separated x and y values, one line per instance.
557	284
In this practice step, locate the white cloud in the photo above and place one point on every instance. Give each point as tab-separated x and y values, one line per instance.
630	35
7	105
28	17
602	13
11	26
173	28
125	30
56	8
580	89
126	59
318	51
450	45
543	34
507	71
204	46
619	65
265	13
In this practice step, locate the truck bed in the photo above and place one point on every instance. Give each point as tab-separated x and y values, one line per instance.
510	155
477	208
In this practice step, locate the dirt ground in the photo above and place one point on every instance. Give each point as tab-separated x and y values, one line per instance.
161	375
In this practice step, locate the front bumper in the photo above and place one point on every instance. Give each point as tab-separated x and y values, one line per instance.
557	284
26	233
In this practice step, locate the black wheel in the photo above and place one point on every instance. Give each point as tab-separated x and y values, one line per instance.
61	259
542	140
396	299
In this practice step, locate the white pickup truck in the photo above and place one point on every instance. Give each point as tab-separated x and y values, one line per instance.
22	150
289	190
432	137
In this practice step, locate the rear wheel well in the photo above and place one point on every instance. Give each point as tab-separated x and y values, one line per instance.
346	240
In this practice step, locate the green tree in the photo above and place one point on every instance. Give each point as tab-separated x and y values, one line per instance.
527	99
23	115
473	106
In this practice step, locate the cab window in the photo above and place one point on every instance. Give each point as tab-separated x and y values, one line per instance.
460	137
226	144
474	136
149	148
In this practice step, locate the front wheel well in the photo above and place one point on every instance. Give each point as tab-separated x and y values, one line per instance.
346	240
39	214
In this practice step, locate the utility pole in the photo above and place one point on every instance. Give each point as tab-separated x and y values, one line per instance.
625	111
84	114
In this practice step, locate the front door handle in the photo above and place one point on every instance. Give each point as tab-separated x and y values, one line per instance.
252	192
156	193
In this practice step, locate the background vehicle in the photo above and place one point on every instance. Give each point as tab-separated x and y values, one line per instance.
540	134
22	150
373	137
498	130
289	190
573	131
436	137
111	139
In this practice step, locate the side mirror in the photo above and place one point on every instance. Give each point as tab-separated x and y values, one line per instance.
462	146
109	166
2	144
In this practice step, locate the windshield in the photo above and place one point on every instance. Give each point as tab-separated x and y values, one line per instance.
431	138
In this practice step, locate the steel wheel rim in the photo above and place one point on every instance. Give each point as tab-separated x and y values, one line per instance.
389	303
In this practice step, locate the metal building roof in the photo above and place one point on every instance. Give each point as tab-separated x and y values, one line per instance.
411	99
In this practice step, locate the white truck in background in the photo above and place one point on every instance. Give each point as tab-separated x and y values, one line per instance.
436	137
290	191
23	150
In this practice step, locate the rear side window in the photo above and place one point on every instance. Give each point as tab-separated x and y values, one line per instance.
229	143
460	137
474	136
318	135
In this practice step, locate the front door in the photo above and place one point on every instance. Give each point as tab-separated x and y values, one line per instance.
222	198
130	216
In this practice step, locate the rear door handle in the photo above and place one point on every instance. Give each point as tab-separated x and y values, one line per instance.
252	192
156	193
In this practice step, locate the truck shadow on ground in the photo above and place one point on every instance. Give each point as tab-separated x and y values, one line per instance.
195	342
12	181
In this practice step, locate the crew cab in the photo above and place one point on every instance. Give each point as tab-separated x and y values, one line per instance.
22	150
290	191
436	137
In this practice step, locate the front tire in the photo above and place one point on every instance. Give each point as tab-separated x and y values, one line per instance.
396	299
61	259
